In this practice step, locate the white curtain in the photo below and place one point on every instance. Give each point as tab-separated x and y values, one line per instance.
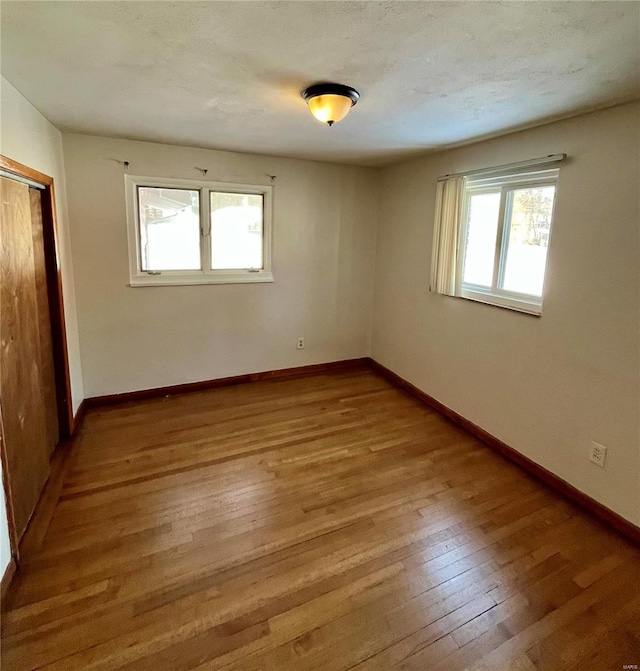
446	230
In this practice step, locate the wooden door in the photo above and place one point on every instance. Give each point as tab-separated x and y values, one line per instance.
44	322
27	384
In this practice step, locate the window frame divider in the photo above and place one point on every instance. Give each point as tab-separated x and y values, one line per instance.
499	249
205	229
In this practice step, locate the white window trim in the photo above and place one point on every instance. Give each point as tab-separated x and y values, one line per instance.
141	278
494	295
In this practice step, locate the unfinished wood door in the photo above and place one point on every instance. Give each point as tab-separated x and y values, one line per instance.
27	385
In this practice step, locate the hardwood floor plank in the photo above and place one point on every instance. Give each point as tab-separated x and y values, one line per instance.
328	522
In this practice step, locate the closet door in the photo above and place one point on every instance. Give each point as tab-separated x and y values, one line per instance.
44	323
27	386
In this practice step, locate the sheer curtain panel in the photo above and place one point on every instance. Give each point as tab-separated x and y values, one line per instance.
446	230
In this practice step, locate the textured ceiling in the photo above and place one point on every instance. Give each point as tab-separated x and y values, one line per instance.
228	75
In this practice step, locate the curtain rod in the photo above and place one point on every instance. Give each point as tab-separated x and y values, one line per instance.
19	178
552	158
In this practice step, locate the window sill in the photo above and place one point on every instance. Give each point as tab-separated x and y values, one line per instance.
173	280
507	302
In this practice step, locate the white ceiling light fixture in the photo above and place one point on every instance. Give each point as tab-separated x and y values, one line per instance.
330	102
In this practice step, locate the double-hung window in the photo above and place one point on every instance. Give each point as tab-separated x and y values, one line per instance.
194	232
492	235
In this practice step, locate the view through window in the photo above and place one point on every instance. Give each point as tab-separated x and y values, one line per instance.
236	230
169	229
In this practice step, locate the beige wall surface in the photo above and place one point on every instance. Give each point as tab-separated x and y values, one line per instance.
27	137
546	386
145	337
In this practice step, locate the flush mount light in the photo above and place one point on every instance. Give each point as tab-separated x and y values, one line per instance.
330	102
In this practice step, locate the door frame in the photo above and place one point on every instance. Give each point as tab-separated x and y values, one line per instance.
51	239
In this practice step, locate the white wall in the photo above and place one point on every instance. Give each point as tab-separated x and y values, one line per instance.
140	338
27	137
546	386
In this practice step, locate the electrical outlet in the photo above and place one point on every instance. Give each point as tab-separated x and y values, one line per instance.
598	454
300	343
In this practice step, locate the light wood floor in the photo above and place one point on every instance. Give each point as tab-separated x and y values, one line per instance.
331	523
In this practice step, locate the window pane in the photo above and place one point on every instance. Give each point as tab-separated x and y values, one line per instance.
528	239
169	228
236	231
481	239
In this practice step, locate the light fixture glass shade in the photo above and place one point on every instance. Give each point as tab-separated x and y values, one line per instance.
330	108
330	102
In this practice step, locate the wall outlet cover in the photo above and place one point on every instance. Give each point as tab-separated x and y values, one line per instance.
598	454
